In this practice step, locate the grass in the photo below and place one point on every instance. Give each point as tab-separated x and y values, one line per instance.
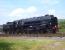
14	43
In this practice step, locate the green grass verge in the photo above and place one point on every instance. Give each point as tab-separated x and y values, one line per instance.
30	44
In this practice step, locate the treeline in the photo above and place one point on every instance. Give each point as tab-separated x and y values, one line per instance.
61	23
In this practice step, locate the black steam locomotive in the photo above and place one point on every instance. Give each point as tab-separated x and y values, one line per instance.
47	23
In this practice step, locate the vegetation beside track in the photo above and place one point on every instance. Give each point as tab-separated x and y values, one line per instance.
61	25
14	43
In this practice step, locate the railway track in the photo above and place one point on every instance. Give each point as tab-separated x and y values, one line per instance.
58	34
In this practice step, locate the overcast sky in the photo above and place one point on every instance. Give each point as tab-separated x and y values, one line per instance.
11	10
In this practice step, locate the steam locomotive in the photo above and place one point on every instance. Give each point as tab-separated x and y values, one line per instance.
47	23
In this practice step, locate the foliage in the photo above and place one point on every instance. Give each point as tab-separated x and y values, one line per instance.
10	43
61	25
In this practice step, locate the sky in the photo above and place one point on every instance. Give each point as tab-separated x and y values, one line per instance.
11	10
